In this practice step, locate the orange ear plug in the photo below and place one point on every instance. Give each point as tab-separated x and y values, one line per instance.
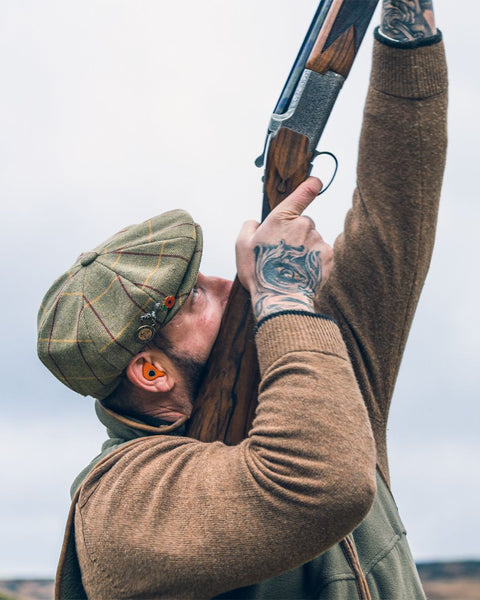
151	372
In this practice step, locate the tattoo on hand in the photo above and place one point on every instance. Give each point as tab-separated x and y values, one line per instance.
406	20
287	278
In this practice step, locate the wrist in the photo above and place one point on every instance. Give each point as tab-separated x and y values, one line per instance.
266	304
381	37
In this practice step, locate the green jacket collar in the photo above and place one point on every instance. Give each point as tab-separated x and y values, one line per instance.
122	429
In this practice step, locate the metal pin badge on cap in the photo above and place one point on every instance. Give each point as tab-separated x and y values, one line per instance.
149	320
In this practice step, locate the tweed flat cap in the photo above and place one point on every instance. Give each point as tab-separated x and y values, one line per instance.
98	315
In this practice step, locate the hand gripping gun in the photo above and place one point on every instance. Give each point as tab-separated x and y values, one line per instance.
227	399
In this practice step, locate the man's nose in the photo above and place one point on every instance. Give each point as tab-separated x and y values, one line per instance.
223	286
219	286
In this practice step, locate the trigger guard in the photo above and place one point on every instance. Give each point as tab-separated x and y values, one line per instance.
315	156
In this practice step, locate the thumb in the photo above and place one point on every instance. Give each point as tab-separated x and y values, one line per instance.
300	198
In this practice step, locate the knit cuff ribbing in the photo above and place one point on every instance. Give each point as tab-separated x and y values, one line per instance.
408	44
297	332
406	72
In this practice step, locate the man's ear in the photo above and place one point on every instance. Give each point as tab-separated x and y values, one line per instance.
147	372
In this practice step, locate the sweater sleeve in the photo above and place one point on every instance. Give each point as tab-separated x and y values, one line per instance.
382	258
172	517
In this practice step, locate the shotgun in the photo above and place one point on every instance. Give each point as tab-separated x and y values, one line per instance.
227	399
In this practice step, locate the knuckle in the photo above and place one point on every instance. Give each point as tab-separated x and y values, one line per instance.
309	221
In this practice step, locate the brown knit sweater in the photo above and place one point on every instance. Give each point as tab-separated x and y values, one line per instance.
382	258
171	517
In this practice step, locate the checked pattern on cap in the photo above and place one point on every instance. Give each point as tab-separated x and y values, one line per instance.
89	319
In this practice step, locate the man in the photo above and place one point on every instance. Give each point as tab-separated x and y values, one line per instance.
302	508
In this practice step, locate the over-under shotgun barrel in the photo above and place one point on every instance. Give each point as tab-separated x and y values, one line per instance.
226	403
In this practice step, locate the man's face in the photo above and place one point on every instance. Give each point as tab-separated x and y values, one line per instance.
195	327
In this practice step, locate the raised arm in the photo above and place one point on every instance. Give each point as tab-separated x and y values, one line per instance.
382	258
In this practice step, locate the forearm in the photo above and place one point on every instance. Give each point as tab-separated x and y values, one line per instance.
407	20
216	517
382	258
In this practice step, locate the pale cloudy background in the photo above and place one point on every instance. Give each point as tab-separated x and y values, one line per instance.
114	110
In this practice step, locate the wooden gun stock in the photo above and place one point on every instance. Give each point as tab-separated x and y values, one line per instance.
227	399
226	403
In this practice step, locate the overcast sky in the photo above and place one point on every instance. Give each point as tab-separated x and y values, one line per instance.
112	111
